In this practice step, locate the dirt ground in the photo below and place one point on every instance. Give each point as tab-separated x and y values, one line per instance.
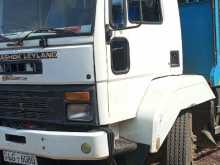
210	156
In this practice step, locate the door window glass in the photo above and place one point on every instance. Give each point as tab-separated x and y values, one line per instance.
118	13
150	10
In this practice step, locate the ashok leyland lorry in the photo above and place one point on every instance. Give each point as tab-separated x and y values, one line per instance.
102	80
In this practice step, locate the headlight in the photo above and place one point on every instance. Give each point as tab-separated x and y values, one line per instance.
79	112
78	106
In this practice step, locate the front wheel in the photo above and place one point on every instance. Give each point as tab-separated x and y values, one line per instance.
179	142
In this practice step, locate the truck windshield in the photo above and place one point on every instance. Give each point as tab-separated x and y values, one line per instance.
19	17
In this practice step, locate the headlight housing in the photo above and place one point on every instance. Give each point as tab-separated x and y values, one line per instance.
79	112
78	106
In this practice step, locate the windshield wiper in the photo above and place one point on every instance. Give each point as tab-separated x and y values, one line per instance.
20	41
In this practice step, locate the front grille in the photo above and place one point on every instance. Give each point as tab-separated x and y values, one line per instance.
30	105
24	108
41	106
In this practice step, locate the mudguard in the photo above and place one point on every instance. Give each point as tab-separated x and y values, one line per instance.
164	99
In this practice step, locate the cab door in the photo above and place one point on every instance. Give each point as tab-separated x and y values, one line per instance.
137	52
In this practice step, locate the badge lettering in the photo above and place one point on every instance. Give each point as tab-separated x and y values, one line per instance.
28	56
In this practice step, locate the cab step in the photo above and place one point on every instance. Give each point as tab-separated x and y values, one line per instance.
123	145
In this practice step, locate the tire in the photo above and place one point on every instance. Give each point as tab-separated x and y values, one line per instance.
179	144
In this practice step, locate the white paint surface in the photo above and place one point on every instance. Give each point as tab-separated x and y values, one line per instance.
164	99
57	145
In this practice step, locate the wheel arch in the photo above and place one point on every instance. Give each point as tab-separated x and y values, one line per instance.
164	100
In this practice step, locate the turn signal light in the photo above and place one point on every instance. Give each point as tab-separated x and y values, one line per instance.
77	97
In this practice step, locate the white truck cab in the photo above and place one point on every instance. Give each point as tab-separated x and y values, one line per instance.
91	79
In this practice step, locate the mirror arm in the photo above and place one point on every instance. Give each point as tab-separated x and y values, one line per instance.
108	33
124	28
110	28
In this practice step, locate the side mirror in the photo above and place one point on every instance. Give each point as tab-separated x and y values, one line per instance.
118	15
120	12
135	11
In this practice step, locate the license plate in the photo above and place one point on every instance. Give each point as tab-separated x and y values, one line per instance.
19	158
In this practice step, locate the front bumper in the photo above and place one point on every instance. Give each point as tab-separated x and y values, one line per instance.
57	145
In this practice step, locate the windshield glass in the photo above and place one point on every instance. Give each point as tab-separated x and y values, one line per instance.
18	17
